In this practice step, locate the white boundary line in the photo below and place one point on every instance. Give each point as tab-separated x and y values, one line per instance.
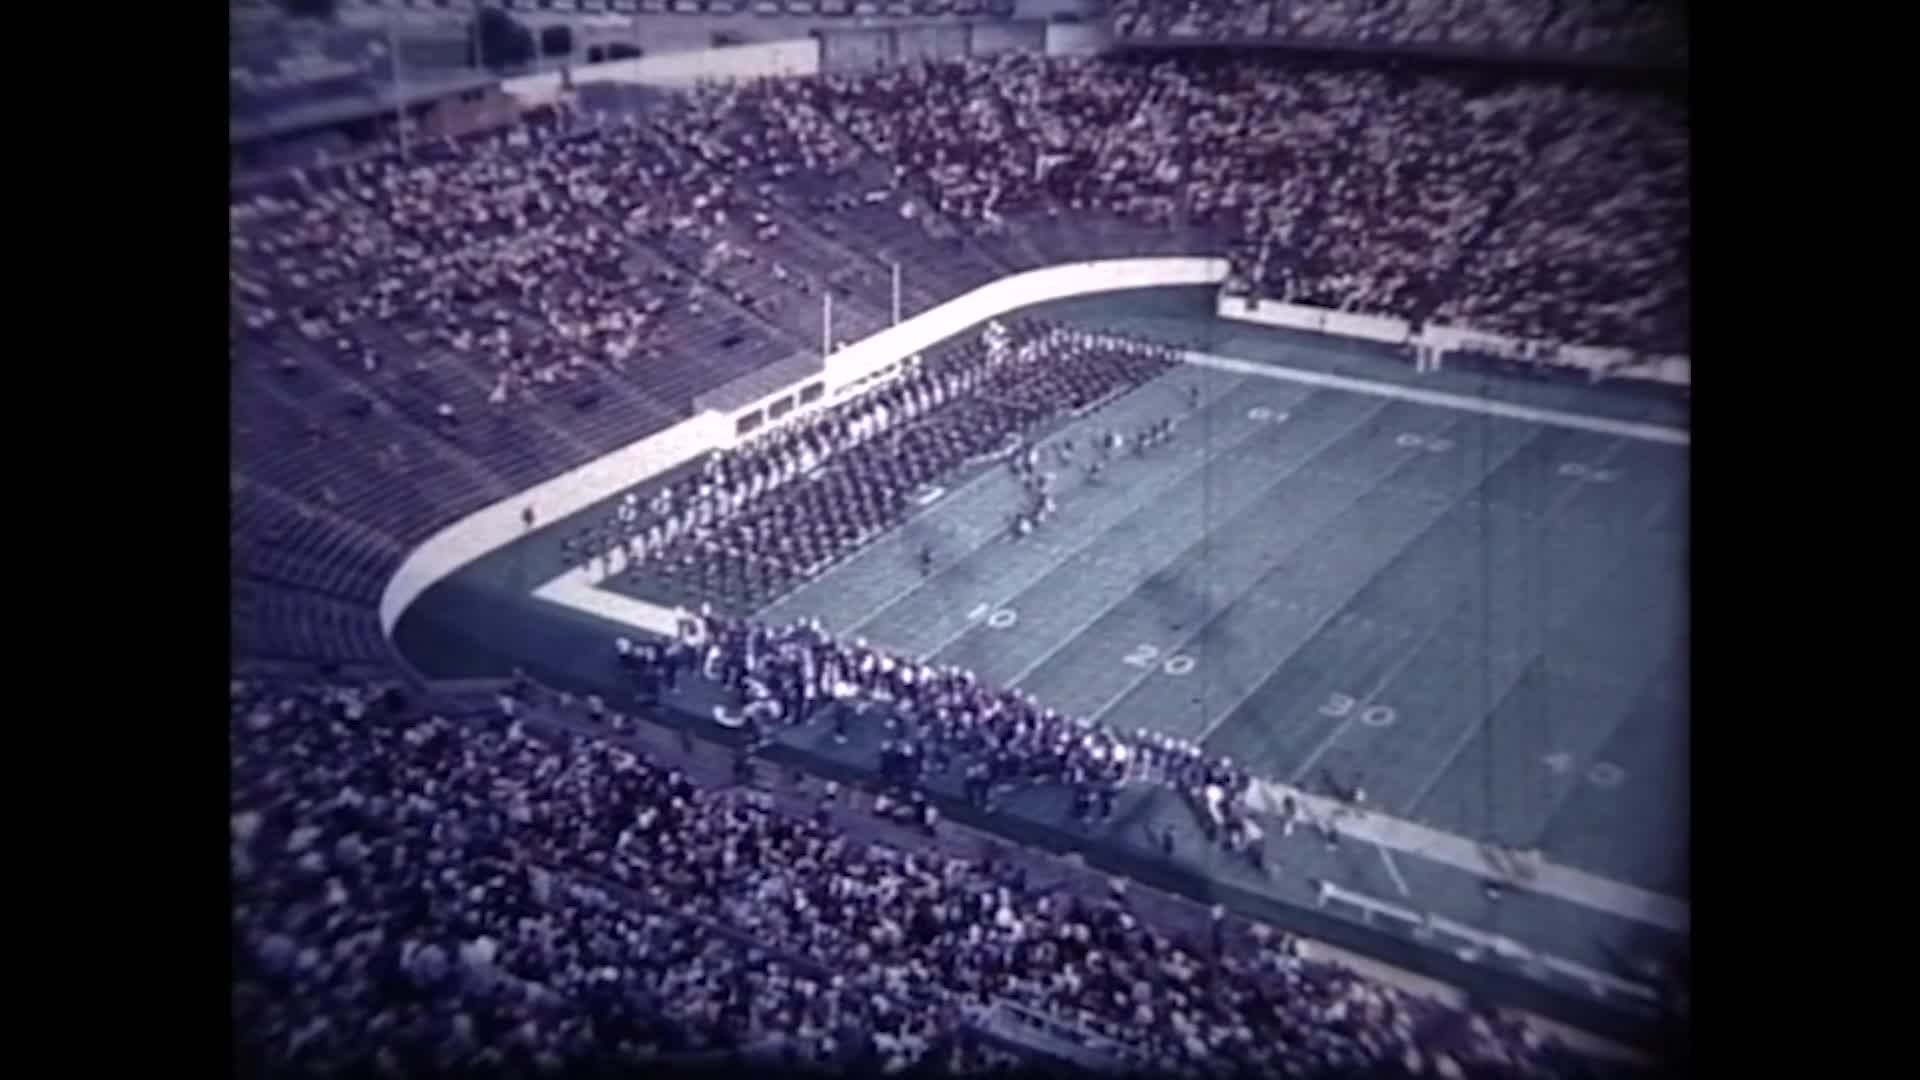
1625	429
991	535
1244	696
1393	672
1060	560
1070	554
1537	653
876	544
1135	584
1579	887
1393	871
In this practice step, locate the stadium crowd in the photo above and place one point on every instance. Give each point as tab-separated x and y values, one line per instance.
507	890
755	520
1533	209
1650	29
943	720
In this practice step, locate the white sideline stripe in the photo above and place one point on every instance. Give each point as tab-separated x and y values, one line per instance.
926	510
1480	722
1625	429
575	590
1134	571
884	541
1549	879
1060	560
1393	871
1361	707
1558	504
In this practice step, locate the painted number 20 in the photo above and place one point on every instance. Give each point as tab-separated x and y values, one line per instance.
1143	656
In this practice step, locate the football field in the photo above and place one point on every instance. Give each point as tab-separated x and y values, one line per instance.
1471	607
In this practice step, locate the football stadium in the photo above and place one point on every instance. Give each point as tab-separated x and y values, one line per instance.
951	537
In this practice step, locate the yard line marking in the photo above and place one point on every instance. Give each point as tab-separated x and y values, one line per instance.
1558	503
1393	871
1625	429
1538	653
1549	879
574	590
1078	551
991	534
1133	585
1134	682
1264	575
1070	554
1307	763
1213	724
889	540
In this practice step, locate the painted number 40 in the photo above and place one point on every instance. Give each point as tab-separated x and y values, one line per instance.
996	618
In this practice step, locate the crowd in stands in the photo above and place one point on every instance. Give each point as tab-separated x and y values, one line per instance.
943	720
1644	29
1417	195
762	517
425	886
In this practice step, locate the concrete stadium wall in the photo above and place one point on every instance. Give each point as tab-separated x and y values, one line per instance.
912	43
1018	36
1596	362
763	59
855	50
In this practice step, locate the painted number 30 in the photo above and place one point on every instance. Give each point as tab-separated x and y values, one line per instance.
1341	706
1143	656
1260	414
1601	774
1432	444
1576	471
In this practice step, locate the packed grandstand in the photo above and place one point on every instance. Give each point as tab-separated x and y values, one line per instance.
429	880
1646	31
